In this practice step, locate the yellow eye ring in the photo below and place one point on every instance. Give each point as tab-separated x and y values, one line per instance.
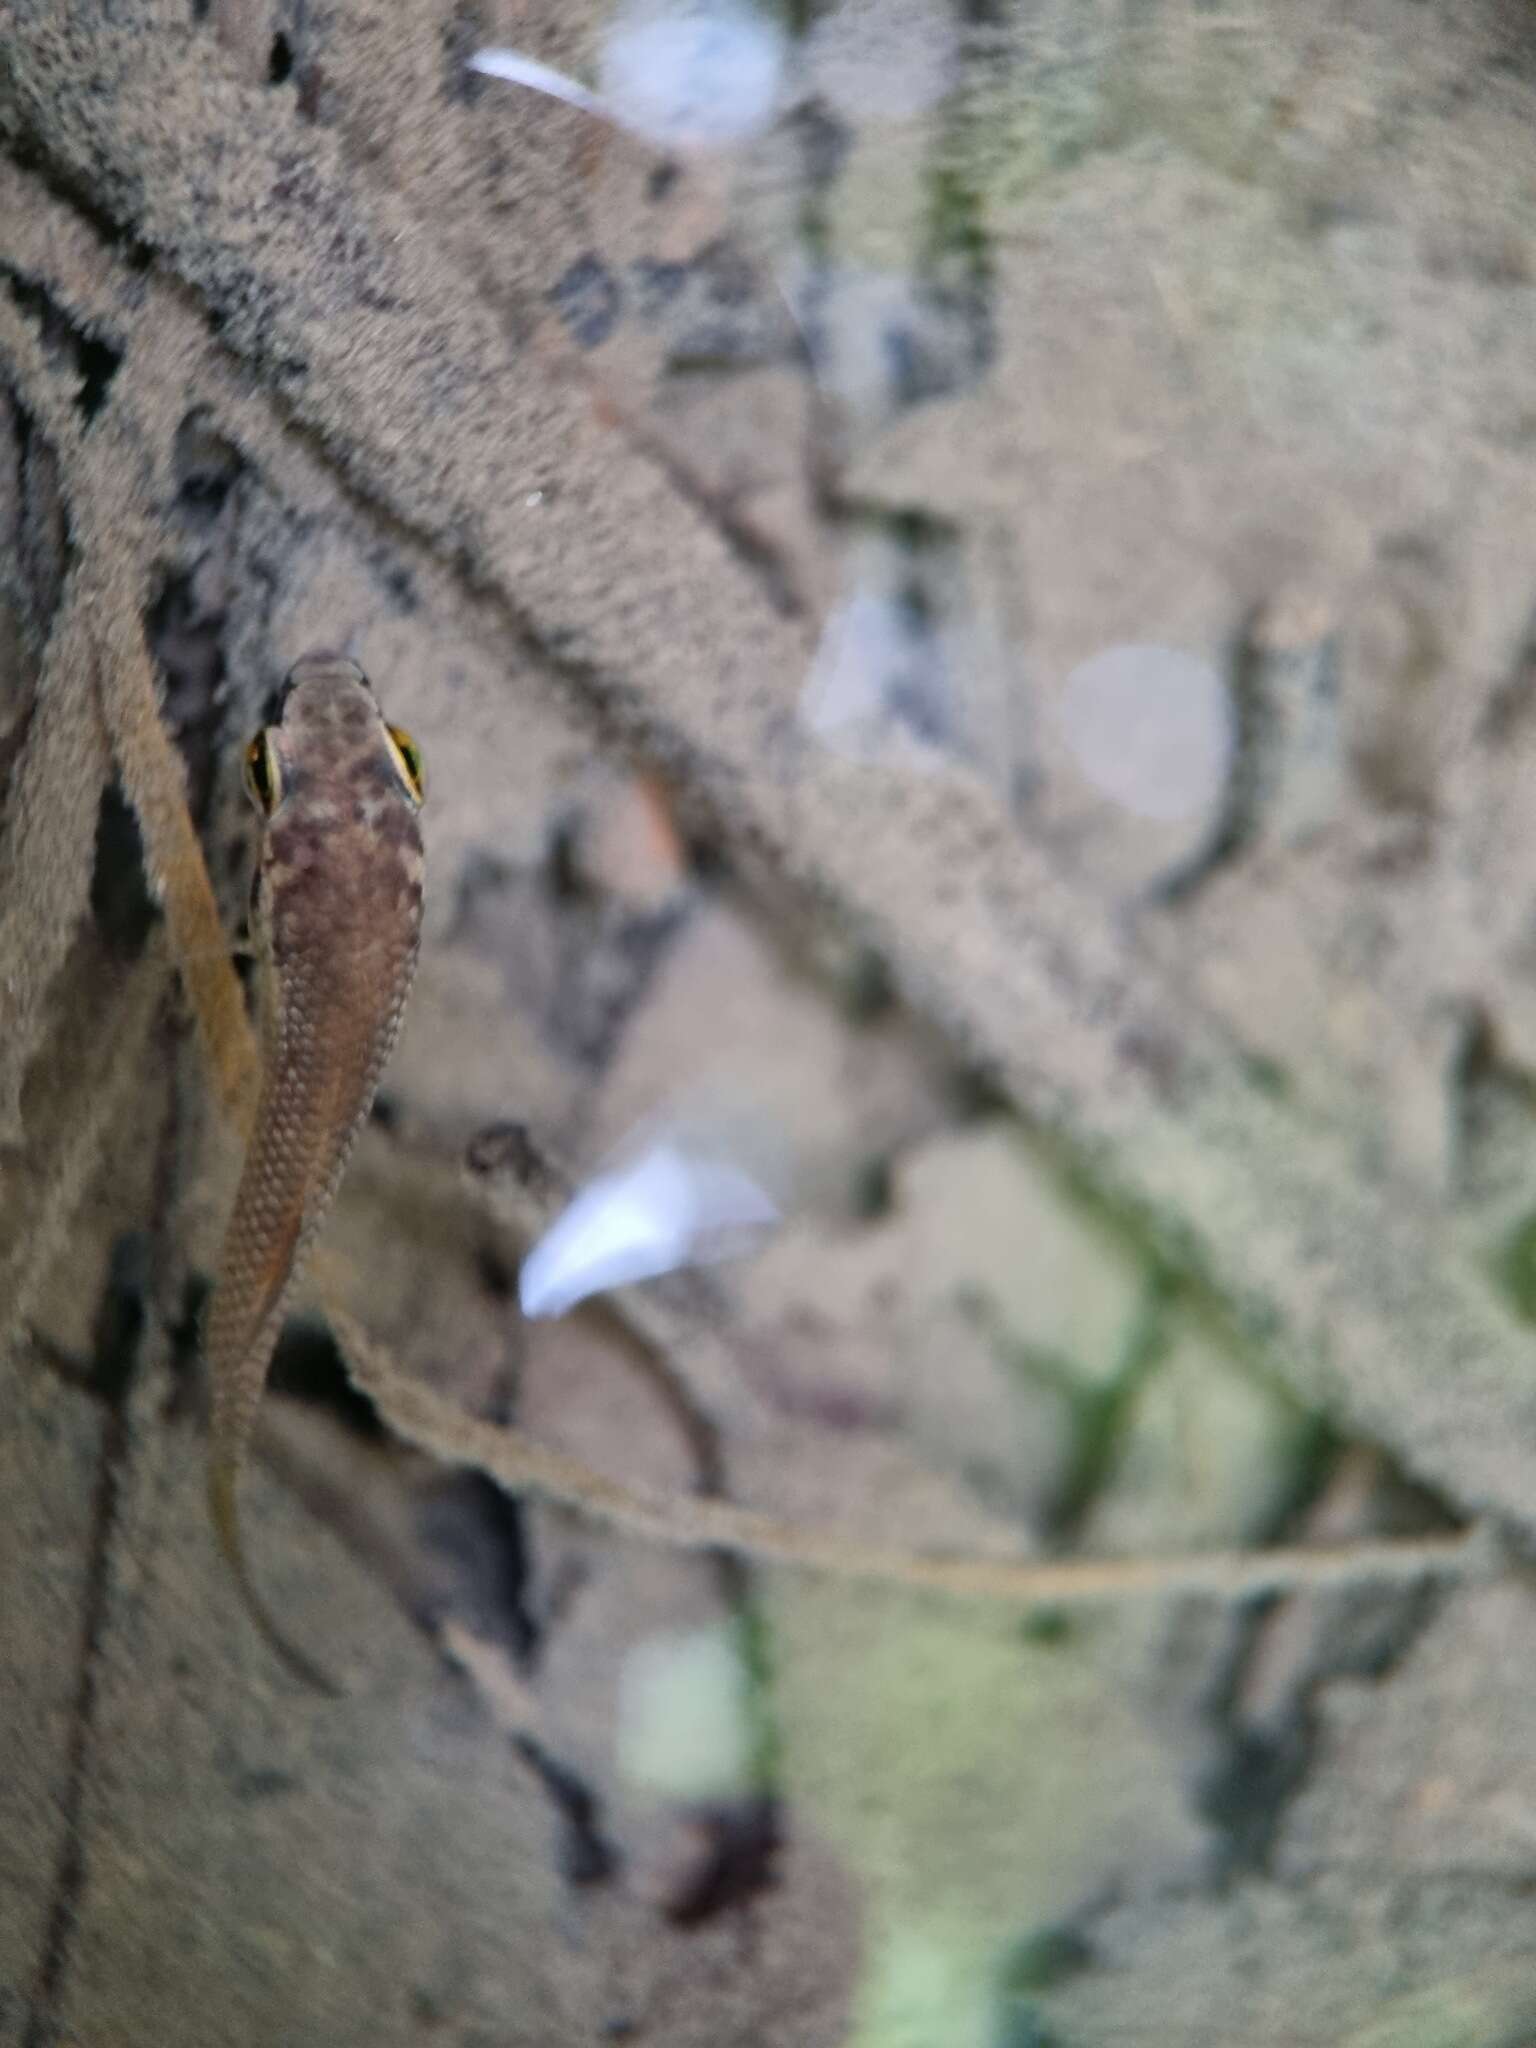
407	759
263	776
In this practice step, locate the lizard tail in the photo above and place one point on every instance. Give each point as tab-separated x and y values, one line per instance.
226	1523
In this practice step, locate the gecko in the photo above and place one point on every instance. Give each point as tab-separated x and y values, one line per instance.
116	549
336	905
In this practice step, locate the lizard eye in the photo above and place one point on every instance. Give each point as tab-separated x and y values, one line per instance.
263	777
407	757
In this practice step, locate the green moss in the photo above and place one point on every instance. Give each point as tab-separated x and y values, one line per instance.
1019	2025
1041	1958
868	989
1044	1957
971	1787
754	1647
1102	1414
1045	1628
1268	1076
954	225
1100	1410
1515	1268
870	1195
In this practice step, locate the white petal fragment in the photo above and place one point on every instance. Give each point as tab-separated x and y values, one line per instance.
661	1211
517	69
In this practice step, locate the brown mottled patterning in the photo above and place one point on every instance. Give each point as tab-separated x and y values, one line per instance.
336	918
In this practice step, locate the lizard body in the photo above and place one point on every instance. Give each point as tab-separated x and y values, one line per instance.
336	919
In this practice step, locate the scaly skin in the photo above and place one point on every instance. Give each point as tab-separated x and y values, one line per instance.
336	918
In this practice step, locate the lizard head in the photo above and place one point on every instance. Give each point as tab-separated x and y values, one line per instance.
328	731
339	789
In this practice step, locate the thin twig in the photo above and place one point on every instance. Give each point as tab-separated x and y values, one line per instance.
520	1465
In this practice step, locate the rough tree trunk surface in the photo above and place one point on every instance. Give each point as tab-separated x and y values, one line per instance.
1160	1184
